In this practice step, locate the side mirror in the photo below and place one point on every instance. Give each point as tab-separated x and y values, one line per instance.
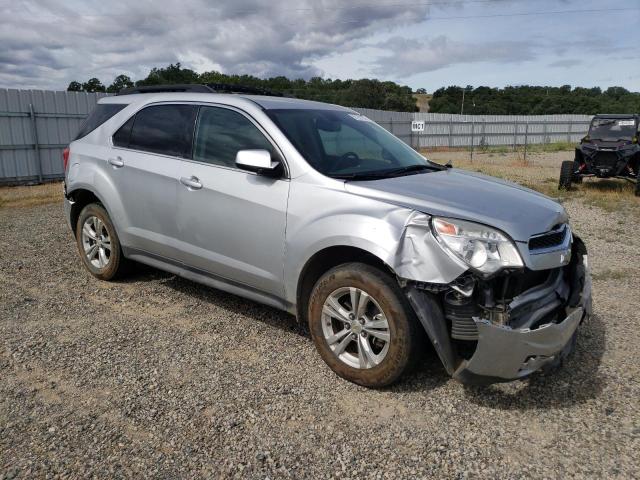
258	161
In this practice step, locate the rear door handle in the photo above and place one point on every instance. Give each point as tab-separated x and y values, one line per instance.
116	162
191	182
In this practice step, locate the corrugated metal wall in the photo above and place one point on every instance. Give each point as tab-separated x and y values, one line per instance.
445	130
35	126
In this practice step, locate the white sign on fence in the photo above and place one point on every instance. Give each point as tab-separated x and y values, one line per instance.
417	126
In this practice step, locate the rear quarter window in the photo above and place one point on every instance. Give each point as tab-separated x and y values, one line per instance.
100	114
164	129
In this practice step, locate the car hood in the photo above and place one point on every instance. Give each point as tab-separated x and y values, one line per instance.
518	211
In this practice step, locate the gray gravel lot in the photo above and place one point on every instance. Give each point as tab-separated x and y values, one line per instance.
157	376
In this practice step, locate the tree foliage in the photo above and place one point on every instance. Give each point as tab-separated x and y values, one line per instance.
120	82
365	93
93	85
371	93
530	100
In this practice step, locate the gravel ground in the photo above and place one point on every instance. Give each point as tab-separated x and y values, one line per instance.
160	377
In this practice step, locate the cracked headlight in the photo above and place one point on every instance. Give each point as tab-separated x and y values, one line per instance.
482	248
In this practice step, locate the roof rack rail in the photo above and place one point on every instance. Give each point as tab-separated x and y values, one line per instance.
233	88
179	87
199	88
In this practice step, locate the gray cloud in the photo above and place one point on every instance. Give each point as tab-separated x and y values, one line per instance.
405	57
50	42
566	63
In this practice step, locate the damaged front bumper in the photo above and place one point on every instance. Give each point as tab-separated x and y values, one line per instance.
505	354
540	332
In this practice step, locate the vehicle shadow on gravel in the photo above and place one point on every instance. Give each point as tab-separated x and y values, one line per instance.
576	382
219	299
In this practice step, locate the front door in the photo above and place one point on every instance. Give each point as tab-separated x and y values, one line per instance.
232	222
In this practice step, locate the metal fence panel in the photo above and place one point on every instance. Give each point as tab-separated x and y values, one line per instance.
452	131
35	125
51	118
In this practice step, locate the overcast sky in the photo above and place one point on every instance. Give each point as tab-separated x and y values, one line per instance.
429	43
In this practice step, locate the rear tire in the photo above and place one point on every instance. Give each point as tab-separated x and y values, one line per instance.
98	243
566	175
372	343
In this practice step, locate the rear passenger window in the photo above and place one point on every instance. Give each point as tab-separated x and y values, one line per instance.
164	129
121	137
221	133
100	114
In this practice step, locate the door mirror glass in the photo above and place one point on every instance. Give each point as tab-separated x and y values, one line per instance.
258	161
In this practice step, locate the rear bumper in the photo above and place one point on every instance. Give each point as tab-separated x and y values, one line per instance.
67	211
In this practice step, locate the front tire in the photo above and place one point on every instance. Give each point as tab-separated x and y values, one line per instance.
362	325
566	175
98	243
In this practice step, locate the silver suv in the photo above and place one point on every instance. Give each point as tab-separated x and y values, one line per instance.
316	210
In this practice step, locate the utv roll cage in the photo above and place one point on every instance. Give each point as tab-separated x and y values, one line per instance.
601	156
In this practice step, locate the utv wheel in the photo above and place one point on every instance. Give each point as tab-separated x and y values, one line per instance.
98	243
362	326
566	175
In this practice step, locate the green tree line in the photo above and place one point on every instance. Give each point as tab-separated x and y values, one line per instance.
530	100
365	93
371	93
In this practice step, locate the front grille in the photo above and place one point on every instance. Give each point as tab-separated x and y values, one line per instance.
550	239
605	159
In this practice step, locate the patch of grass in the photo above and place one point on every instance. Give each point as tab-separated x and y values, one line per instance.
609	274
29	196
531	148
551	147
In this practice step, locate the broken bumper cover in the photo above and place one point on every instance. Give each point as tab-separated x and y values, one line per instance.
505	354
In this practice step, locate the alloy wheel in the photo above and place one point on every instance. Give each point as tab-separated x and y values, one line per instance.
96	242
355	328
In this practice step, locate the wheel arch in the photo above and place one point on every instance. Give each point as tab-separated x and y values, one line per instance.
81	197
324	260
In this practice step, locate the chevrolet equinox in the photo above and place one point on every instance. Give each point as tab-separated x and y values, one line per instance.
316	210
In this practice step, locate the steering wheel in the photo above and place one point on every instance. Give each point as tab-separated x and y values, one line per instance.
350	159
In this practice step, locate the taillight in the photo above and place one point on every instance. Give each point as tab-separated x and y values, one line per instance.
65	157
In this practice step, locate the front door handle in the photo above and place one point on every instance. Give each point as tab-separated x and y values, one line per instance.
116	162
192	182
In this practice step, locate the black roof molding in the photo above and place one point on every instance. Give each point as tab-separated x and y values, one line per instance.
199	88
165	88
232	88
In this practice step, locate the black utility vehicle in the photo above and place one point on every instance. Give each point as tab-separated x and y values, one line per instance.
610	150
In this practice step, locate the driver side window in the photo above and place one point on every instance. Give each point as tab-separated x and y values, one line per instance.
349	140
221	133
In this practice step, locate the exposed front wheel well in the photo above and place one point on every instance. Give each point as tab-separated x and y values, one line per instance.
322	262
81	198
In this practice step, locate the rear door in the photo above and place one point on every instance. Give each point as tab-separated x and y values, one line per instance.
232	221
147	155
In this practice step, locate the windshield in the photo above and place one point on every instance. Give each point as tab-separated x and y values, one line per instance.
612	129
346	145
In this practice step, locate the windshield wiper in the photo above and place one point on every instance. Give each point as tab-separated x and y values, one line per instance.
394	172
360	176
410	169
